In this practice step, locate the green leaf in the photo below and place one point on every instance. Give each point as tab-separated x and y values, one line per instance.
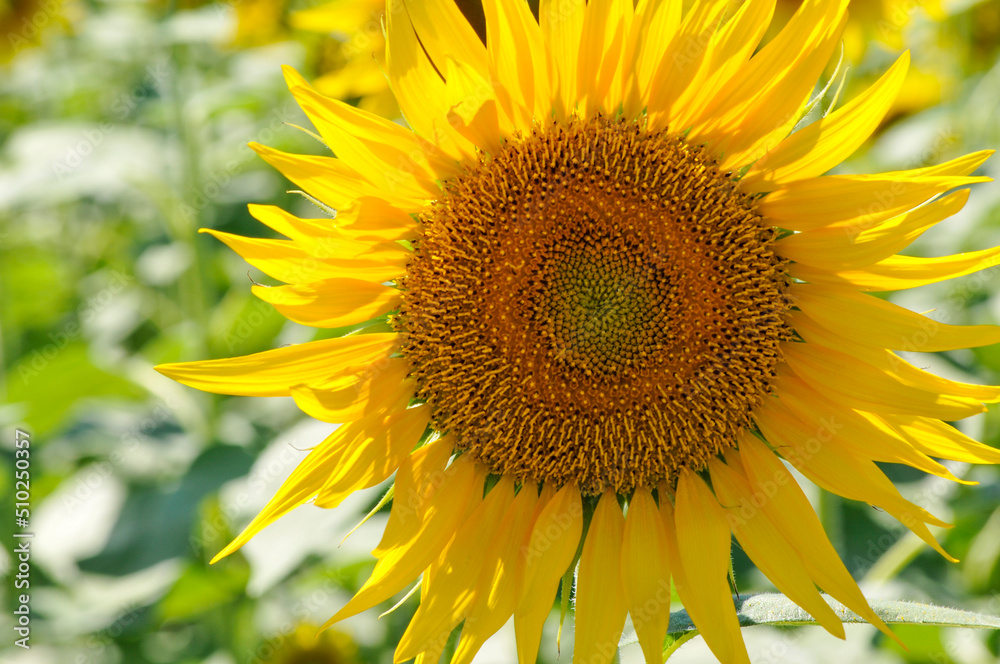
778	610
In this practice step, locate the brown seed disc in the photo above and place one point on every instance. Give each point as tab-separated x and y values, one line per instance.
596	303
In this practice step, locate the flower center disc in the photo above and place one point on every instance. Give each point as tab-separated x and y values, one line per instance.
596	303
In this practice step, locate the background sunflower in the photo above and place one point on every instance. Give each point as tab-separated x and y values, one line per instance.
122	139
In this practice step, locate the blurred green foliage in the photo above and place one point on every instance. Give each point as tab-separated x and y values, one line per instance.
125	133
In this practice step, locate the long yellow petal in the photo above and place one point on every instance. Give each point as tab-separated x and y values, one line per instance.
870	388
645	574
765	544
840	472
518	62
857	202
552	545
384	152
865	435
605	31
349	397
656	23
892	363
333	182
778	495
939	439
756	111
330	302
827	142
365	221
372	460
293	262
417	481
728	53
496	594
419	89
445	33
903	272
698	544
600	599
438	525
840	248
452	589
307	477
474	108
681	59
561	22
272	373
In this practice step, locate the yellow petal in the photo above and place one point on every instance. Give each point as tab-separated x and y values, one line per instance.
518	62
307	477
656	22
495	595
364	221
866	435
330	302
385	153
561	22
373	459
891	363
866	387
728	52
474	109
699	563
939	439
779	496
964	165
333	182
646	574
600	599
325	259
445	33
452	589
837	471
438	525
756	111
605	30
825	143
680	60
858	246
349	397
417	480
766	546
903	272
857	202
272	373
419	88
552	545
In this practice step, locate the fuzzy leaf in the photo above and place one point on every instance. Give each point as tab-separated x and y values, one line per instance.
775	609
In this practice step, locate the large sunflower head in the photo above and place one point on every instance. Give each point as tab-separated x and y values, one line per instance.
618	291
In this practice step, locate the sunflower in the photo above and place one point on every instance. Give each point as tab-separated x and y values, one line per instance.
24	23
599	289
304	646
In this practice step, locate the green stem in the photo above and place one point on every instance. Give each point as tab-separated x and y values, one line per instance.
676	641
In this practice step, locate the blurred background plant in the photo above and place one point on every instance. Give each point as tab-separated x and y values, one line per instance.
123	130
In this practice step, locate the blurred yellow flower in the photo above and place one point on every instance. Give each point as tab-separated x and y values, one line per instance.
307	645
345	42
23	23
